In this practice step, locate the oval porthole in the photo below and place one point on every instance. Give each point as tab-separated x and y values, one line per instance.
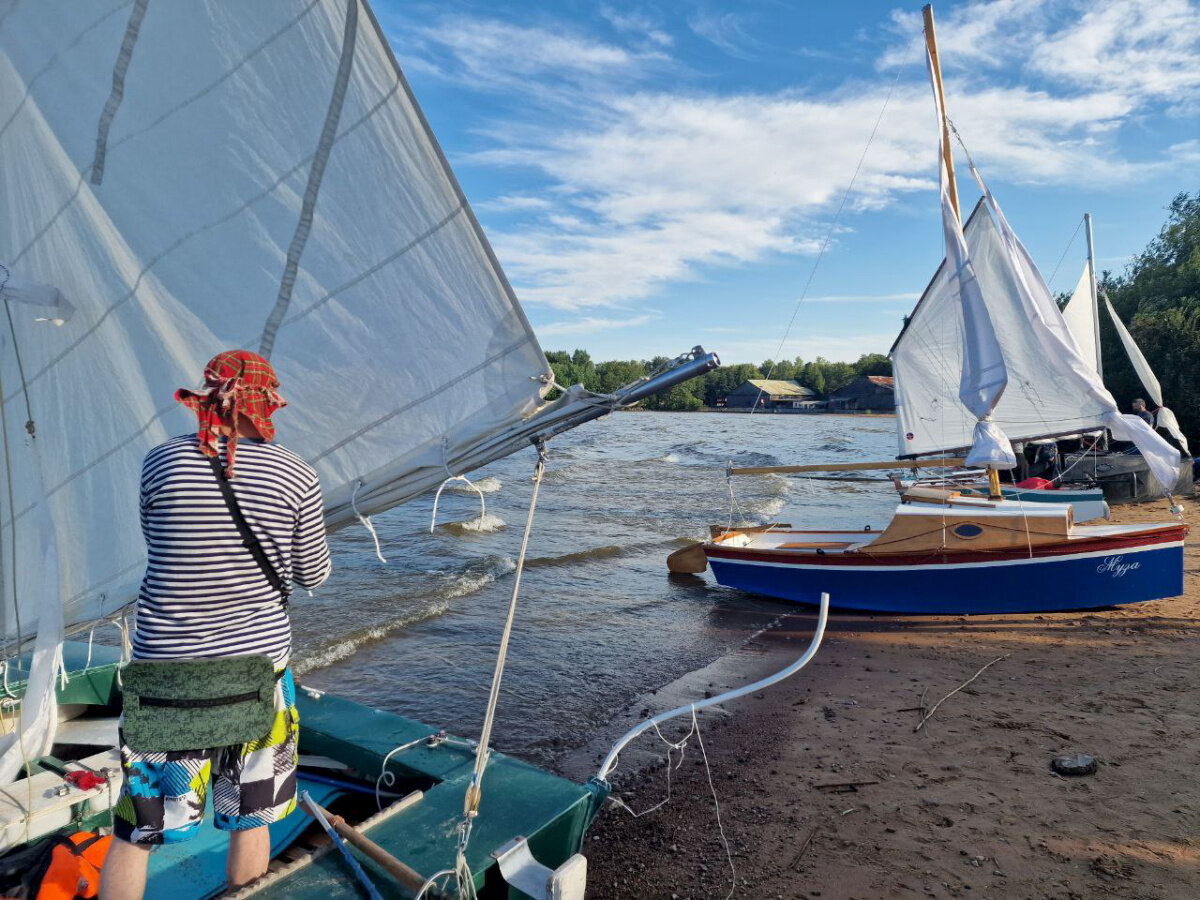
967	531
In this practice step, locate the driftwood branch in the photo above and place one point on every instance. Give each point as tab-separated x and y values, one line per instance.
934	708
812	832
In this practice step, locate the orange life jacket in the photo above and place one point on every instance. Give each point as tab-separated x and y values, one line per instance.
74	869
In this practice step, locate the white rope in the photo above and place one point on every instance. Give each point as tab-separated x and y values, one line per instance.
387	778
7	690
88	662
122	625
438	496
431	882
681	746
473	793
61	666
716	807
366	521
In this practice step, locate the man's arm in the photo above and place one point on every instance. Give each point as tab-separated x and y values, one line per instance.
310	551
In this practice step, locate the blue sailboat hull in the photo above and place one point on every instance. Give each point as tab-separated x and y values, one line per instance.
1041	584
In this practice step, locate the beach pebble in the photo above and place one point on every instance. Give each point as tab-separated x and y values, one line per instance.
1076	764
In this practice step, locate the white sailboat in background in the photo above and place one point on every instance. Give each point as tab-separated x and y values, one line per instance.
985	359
1123	475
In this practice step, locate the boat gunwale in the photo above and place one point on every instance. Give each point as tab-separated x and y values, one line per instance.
1152	536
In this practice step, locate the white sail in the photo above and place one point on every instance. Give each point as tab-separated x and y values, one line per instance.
193	177
178	179
1163	417
1049	334
929	354
1080	316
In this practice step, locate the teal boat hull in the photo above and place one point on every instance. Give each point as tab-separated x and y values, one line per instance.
519	800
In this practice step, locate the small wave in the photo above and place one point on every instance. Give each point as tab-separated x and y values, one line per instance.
766	509
479	575
579	556
485	524
350	644
665	458
489	484
476	577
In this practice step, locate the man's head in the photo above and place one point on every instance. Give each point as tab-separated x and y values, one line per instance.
238	399
1139	405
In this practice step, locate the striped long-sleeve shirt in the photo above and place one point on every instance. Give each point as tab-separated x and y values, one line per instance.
203	594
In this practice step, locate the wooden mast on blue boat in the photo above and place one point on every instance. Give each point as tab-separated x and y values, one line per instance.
935	66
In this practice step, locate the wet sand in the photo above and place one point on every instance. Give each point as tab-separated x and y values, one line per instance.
826	791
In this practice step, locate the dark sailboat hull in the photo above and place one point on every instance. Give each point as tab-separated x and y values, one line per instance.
1124	477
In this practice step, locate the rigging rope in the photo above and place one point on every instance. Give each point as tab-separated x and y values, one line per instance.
366	520
473	794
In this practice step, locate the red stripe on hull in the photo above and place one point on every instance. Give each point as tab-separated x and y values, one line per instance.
1147	538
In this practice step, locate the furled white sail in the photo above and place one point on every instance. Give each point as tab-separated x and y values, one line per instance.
983	376
1080	316
1163	417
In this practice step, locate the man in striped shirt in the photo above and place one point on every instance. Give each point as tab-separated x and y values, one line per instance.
204	595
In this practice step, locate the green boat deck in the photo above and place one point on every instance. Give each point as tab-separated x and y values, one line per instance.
519	800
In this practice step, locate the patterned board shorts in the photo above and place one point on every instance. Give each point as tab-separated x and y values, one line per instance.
163	796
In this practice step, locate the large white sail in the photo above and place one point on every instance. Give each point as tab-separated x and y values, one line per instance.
192	177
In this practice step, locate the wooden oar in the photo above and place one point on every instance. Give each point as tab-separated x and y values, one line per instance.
406	875
850	467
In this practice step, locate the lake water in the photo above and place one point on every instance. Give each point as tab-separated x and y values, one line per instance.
599	621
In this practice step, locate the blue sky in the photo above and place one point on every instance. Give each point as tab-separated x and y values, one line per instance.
656	175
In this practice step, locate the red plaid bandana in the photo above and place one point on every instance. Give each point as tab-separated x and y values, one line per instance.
236	383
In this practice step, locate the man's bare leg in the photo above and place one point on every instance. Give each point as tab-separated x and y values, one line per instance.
249	855
123	876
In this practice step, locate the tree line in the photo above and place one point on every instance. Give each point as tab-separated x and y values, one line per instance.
1158	299
821	375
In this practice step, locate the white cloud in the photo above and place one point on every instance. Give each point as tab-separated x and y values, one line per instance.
515	202
647	187
863	298
591	324
638	24
727	32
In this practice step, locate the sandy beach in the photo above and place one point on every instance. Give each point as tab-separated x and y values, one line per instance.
826	790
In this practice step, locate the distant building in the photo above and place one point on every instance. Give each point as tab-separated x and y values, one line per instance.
771	394
866	393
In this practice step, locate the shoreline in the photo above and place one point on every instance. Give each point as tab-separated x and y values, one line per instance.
825	790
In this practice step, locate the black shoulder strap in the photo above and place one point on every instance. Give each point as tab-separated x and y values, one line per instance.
249	541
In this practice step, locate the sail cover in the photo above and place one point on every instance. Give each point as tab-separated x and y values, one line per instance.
1080	314
194	177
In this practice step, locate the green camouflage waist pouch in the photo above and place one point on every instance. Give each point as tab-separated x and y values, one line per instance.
171	705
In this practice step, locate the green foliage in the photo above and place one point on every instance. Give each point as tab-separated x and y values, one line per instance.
1158	298
711	388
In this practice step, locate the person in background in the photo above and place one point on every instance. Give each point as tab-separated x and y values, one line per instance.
204	596
1139	410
